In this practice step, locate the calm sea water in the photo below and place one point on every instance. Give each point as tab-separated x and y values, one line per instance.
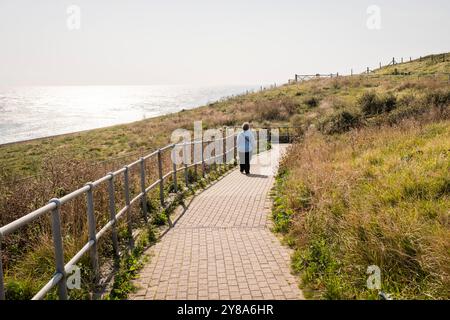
35	112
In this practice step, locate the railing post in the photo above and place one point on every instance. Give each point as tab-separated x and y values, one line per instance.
127	203
203	158
59	251
186	174
93	252
257	142
144	194
112	216
174	173
161	181
195	162
269	135
224	148
2	285
235	149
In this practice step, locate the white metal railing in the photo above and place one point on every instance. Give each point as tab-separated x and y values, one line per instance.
54	207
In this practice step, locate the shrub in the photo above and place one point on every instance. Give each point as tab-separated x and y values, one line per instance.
370	103
269	111
389	102
373	104
312	102
290	106
280	109
439	99
341	121
160	219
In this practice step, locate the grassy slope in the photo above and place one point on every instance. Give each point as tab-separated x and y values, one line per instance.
427	65
101	144
370	197
379	195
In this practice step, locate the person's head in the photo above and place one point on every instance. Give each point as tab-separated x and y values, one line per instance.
246	126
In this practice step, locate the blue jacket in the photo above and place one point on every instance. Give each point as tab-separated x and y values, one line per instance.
246	141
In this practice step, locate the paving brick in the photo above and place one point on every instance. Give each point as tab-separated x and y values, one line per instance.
222	247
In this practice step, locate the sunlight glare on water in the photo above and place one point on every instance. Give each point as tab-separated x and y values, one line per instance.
34	112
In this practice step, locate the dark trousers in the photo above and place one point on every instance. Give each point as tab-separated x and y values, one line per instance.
244	162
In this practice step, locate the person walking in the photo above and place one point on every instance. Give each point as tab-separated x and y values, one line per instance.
245	145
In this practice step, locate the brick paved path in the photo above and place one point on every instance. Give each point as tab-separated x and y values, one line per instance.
222	248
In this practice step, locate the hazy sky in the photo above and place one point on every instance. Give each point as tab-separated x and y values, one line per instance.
209	42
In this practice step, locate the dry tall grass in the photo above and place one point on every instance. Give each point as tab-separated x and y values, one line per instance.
376	196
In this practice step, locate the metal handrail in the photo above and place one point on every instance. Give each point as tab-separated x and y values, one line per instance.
54	206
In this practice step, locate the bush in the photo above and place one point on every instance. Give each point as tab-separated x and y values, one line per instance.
341	121
160	219
276	110
373	104
269	111
439	99
290	106
312	102
389	102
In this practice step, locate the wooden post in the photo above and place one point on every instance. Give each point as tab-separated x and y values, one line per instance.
351	72
402	59
380	65
368	70
393	61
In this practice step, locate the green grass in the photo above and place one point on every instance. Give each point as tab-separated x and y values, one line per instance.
378	196
431	64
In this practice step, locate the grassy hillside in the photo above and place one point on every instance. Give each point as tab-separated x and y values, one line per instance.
377	196
431	64
369	184
383	140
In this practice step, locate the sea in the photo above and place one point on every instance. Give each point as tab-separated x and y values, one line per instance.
30	112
